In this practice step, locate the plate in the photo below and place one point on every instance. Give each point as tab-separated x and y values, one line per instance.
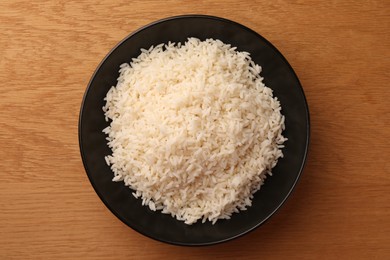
278	75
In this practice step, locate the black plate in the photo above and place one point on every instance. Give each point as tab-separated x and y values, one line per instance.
277	74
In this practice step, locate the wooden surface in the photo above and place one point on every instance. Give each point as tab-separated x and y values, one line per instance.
340	51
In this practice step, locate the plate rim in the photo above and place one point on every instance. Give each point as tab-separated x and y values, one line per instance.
185	16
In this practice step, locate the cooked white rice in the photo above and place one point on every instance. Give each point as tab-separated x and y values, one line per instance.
194	130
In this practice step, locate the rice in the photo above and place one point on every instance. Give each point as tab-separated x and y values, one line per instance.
194	131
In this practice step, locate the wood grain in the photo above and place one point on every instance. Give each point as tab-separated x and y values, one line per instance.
340	51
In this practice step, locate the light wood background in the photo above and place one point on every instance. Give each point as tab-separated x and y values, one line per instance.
340	51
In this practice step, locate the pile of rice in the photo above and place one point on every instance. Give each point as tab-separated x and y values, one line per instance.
194	130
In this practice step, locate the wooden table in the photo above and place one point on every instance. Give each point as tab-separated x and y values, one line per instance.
340	51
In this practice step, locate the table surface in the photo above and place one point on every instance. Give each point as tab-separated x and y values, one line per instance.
340	51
